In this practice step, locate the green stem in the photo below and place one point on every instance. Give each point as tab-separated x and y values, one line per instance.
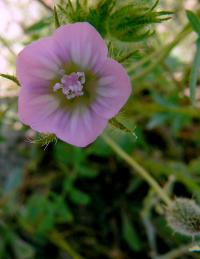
176	253
159	56
194	73
55	238
58	240
139	169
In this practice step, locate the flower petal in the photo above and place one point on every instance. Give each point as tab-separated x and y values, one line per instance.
38	63
84	44
113	89
80	127
36	109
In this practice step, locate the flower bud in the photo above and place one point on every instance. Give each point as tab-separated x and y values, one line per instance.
133	22
183	216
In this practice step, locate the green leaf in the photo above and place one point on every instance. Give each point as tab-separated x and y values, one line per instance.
194	72
155	5
194	20
118	125
39	212
87	172
56	19
134	184
47	221
66	155
99	148
129	234
61	152
11	78
70	4
68	184
79	197
2	139
39	25
62	211
133	22
120	53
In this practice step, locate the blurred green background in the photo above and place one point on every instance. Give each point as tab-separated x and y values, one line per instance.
58	201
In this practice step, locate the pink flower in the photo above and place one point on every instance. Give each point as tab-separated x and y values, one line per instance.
69	86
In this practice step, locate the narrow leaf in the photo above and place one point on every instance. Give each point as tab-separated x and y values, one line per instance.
194	73
127	56
116	124
79	197
70	5
10	77
56	19
194	20
39	25
130	235
155	5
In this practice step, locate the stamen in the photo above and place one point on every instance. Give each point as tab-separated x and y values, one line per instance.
57	86
71	85
81	76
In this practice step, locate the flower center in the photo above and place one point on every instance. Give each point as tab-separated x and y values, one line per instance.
71	85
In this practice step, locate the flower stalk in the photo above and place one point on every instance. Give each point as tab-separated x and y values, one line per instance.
139	169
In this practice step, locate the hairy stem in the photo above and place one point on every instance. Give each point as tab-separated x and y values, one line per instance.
139	169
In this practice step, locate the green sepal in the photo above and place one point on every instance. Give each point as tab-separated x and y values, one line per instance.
11	78
120	126
131	22
44	139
